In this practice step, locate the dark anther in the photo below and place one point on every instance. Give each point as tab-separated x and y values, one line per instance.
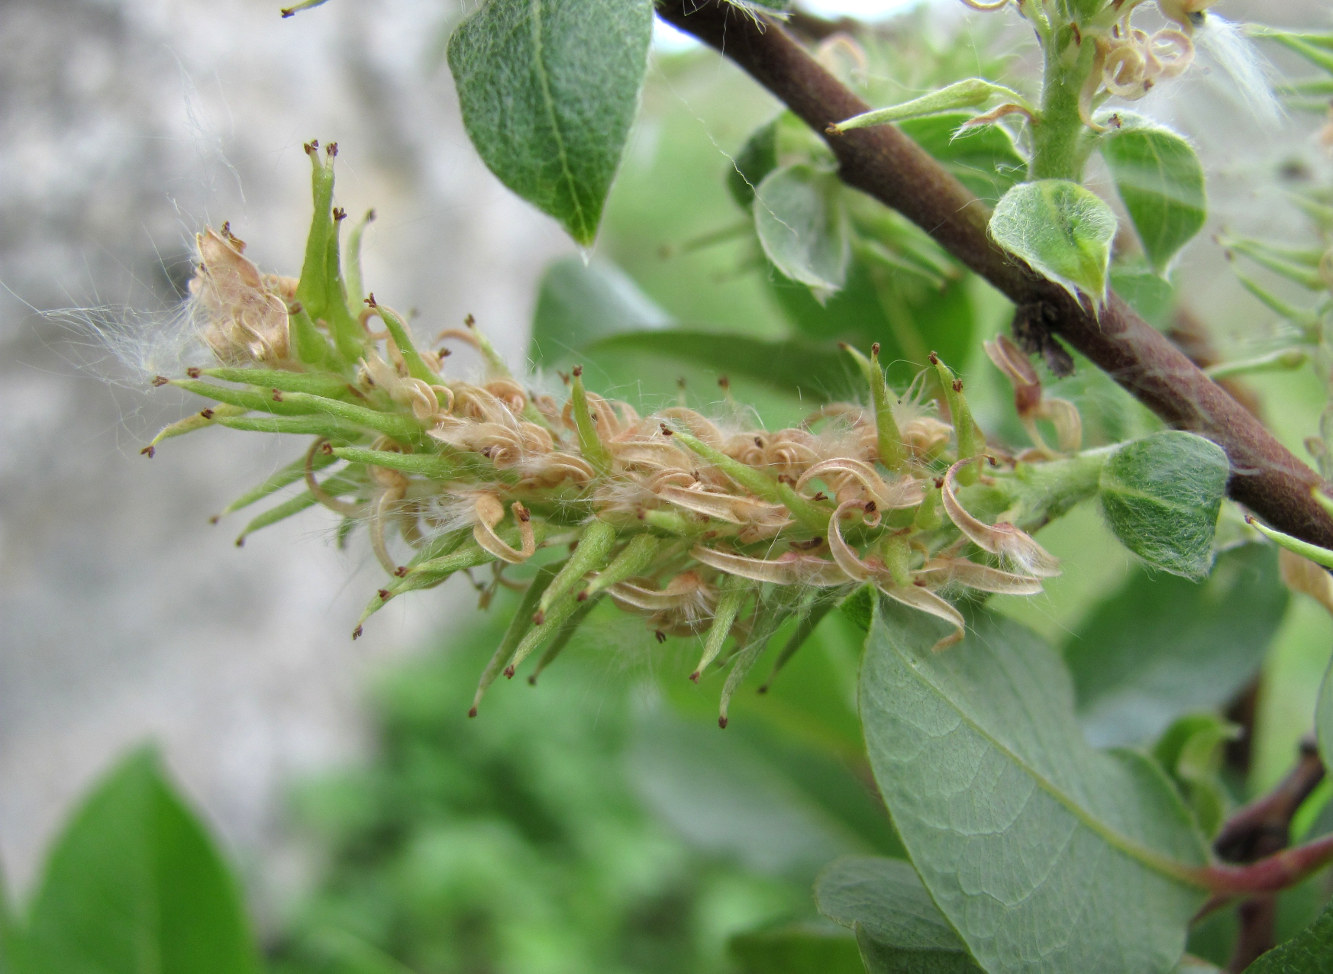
384	594
206	413
957	385
193	372
370	300
666	430
874	349
578	371
160	380
339	213
149	452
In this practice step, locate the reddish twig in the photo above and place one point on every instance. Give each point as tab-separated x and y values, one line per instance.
887	165
1256	834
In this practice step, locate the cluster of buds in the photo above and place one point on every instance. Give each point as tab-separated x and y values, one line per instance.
722	535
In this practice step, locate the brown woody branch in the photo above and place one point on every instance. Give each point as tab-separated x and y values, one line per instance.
887	165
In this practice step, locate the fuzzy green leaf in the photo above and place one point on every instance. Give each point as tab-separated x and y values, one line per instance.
1306	953
134	884
549	89
1162	647
1161	496
898	927
802	228
968	93
1062	230
1160	181
984	158
1041	852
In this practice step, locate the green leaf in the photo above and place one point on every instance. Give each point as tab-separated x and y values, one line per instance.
796	948
968	93
1043	854
802	228
1191	752
579	303
549	89
1163	647
1161	496
1323	717
899	928
800	366
758	157
909	318
1306	953
134	884
1061	229
1160	181
984	158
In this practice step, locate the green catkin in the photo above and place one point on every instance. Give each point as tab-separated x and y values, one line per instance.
642	551
289	474
593	553
327	427
433	466
416	366
729	603
317	383
519	626
194	421
888	438
759	483
965	429
770	620
333	487
563	637
590	444
552	623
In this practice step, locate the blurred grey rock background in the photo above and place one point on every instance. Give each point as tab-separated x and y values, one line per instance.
124	129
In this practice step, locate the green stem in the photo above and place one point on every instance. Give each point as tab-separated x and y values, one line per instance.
1059	148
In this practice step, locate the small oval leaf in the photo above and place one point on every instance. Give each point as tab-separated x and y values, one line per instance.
1062	230
1161	496
549	89
1160	181
802	227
